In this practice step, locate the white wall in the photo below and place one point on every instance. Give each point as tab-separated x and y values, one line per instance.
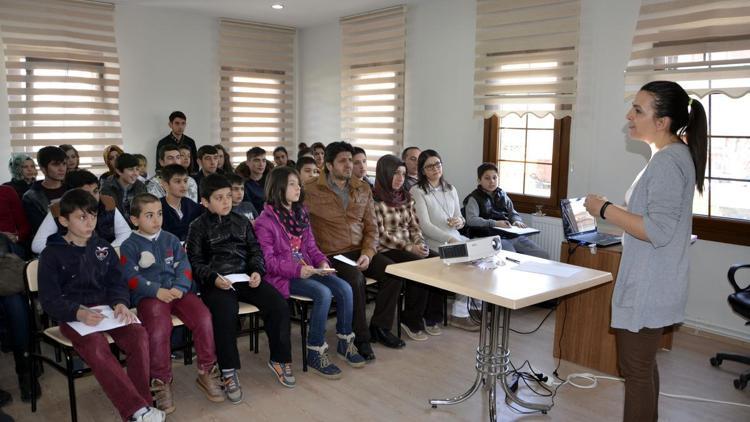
319	84
439	93
168	62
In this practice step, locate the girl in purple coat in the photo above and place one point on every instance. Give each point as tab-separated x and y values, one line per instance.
295	265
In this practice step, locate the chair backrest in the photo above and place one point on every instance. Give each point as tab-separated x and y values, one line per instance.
31	276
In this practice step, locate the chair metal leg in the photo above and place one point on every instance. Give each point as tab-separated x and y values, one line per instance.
399	309
445	310
303	332
71	387
32	361
254	321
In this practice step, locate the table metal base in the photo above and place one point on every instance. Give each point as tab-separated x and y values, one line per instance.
493	363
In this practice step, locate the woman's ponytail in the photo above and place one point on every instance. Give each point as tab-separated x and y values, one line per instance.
696	137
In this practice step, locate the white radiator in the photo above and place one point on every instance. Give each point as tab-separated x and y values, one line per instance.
551	233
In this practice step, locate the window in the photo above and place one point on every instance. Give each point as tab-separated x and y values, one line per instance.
372	87
532	156
257	87
705	47
63	78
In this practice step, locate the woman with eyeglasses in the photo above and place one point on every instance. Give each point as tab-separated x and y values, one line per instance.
439	213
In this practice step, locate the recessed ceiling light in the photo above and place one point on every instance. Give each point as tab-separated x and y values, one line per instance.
277	6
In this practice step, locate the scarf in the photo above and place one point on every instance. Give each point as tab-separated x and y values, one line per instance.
294	221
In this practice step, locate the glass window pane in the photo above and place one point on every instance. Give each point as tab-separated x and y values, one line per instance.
729	115
700	202
730	199
730	158
538	180
512	143
513	120
511	177
539	145
546	122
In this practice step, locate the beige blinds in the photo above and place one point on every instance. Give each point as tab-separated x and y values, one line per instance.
526	57
373	53
62	76
702	44
256	86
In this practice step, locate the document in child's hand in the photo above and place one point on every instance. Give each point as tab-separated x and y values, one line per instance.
518	231
109	322
237	278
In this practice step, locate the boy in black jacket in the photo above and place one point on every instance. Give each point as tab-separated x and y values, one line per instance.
80	270
220	243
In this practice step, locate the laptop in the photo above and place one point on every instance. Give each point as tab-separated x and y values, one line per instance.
579	226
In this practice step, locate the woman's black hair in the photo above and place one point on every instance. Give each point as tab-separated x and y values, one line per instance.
227	167
422	182
276	187
688	121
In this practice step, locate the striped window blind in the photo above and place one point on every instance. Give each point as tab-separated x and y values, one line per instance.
373	56
526	57
702	44
256	87
62	76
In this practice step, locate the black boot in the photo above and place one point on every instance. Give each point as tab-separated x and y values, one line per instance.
5	398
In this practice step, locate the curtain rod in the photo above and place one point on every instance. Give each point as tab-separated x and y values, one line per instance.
371	12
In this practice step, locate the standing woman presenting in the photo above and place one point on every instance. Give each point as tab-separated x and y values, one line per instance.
651	289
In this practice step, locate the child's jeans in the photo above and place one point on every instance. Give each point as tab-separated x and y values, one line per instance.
321	289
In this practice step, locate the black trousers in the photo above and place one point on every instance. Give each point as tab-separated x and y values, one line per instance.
386	300
274	310
420	301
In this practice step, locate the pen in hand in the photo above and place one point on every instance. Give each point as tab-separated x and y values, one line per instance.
86	308
230	283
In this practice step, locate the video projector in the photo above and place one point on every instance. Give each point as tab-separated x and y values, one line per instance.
471	250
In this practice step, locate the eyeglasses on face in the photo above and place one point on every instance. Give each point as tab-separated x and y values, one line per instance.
435	166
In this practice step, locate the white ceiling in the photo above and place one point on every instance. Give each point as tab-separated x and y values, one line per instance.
297	13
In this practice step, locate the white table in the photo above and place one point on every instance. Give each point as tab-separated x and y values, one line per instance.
501	290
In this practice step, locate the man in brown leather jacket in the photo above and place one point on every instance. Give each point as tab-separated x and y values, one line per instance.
343	220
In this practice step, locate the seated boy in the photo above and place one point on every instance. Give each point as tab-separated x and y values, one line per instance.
110	224
185	161
307	169
208	158
244	208
124	185
80	270
178	210
489	206
170	154
161	284
220	243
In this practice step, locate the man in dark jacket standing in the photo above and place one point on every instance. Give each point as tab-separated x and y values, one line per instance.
177	124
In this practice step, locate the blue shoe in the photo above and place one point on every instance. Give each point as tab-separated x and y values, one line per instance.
347	350
317	359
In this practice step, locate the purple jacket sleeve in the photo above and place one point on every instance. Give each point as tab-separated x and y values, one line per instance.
311	248
278	262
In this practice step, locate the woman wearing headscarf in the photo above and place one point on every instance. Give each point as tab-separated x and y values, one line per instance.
401	240
22	172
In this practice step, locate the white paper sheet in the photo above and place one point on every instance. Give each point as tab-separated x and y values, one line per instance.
345	260
108	323
237	278
517	230
557	270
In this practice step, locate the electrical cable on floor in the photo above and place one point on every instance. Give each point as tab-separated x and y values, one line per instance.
594	382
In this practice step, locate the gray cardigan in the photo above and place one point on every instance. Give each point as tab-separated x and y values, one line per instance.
652	284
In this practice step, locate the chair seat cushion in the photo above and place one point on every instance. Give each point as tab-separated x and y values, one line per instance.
740	303
54	334
246	308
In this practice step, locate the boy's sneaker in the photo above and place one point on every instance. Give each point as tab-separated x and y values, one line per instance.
432	328
346	349
317	359
418	335
151	415
232	387
162	393
210	383
283	372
